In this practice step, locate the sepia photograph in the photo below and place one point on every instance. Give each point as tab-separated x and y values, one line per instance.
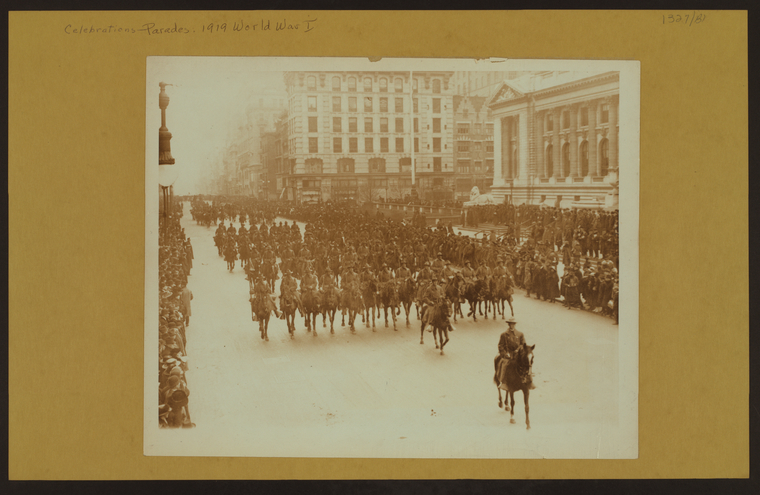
391	258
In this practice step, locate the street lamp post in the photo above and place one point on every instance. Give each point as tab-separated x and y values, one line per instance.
167	173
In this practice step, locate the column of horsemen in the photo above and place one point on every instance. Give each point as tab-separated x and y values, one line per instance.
349	261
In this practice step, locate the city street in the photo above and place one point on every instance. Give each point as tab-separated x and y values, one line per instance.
382	394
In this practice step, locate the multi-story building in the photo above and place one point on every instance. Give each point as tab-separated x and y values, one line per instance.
473	150
556	139
481	83
352	135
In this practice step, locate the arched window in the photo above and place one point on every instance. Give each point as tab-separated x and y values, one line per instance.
604	156
377	165
336	83
367	84
549	161
352	84
436	85
311	82
566	160
583	155
313	166
345	165
383	84
399	85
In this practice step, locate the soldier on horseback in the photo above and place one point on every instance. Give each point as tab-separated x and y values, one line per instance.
260	291
289	288
509	342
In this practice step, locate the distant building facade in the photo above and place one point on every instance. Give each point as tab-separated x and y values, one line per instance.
351	135
474	149
556	139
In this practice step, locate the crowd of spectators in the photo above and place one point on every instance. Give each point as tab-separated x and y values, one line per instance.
175	259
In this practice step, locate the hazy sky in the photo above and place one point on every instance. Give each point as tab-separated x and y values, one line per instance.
206	99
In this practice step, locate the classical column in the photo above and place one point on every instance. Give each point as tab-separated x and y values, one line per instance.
523	157
613	132
507	146
498	177
593	167
556	144
539	145
573	114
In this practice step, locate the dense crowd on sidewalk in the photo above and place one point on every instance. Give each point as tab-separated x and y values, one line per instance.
175	259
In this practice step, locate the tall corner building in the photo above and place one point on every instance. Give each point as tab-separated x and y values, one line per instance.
556	139
352	135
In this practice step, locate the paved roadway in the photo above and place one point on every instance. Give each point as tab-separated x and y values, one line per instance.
383	394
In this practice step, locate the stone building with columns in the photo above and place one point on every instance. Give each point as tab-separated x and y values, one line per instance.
556	139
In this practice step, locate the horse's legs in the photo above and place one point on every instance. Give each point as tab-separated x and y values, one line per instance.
313	317
512	409
454	310
436	331
499	390
324	325
385	313
332	320
526	395
393	316
422	332
511	309
445	334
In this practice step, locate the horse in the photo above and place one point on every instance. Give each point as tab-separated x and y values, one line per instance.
485	297
502	291
369	298
269	270
473	293
262	311
406	294
437	316
330	301
311	302
389	299
454	290
521	365
351	301
288	306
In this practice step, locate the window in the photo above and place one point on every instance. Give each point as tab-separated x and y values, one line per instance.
313	145
399	103
549	161
437	145
478	165
436	85
346	165
367	84
310	184
384	124
337	124
405	165
414	84
336	104
477	146
311	82
416	105
416	144
377	165
565	159
383	104
368	124
549	122
336	83
399	125
383	85
489	129
465	113
463	146
478	128
312	101
489	166
367	103
384	145
352	124
604	154
399	145
463	167
337	145
489	147
353	145
436	105
352	103
565	120
399	85
583	154
416	125
313	166
584	116
352	84
437	164
463	129
436	125
605	113
369	145
312	124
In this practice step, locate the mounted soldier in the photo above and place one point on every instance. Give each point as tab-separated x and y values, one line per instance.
509	342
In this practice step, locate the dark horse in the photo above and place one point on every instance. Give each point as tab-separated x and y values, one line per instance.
454	291
288	306
261	309
330	302
351	301
521	365
311	304
406	294
389	300
473	293
370	295
437	316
